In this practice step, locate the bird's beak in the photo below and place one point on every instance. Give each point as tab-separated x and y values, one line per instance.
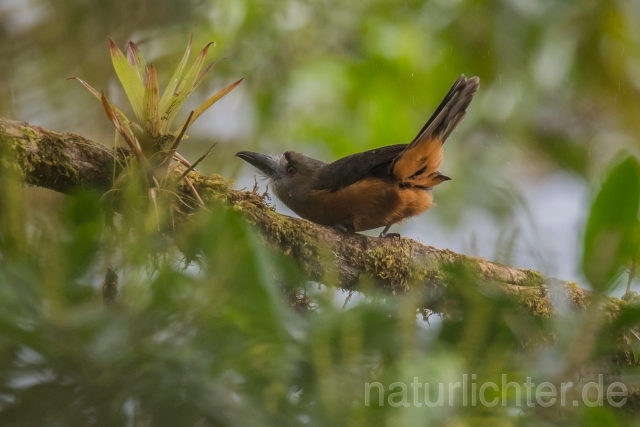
266	164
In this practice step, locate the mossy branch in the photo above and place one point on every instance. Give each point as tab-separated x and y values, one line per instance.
64	161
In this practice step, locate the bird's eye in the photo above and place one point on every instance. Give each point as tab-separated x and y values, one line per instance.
291	170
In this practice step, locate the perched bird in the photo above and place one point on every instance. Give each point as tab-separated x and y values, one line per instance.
376	188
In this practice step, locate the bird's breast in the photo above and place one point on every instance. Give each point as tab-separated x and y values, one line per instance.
367	204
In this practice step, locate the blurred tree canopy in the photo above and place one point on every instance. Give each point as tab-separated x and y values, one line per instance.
208	338
559	78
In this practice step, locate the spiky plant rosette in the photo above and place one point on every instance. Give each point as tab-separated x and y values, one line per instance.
149	137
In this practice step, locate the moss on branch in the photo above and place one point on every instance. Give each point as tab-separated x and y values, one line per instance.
64	161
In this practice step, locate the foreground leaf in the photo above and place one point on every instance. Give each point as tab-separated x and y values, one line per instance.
611	233
635	346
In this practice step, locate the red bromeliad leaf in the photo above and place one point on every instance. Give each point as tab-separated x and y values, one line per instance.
125	131
136	60
203	74
121	116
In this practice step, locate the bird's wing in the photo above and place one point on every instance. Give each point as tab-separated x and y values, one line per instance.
418	163
351	169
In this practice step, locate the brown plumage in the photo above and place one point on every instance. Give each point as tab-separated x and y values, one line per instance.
375	188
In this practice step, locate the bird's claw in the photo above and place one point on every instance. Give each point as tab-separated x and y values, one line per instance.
342	228
385	235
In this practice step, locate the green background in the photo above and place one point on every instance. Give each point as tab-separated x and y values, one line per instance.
215	344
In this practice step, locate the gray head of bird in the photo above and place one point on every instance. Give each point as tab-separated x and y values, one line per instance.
290	174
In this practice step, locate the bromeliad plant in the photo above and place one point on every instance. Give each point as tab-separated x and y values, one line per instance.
150	138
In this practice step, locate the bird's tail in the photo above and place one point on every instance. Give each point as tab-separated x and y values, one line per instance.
418	163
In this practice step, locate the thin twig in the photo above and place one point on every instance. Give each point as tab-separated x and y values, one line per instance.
265	195
115	150
174	146
632	274
346	301
178	197
129	139
197	162
152	194
110	288
178	157
195	192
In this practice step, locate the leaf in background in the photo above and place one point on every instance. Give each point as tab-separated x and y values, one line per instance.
136	60
215	98
128	76
610	239
151	103
184	90
175	79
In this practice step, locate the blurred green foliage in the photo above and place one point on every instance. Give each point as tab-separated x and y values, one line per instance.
203	332
612	233
215	341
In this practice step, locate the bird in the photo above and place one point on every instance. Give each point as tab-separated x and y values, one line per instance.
375	188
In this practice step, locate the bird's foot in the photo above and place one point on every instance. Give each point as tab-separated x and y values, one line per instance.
384	235
342	229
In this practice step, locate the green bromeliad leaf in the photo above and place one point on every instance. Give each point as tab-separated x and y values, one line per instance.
184	90
175	79
154	114
215	98
151	103
129	79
